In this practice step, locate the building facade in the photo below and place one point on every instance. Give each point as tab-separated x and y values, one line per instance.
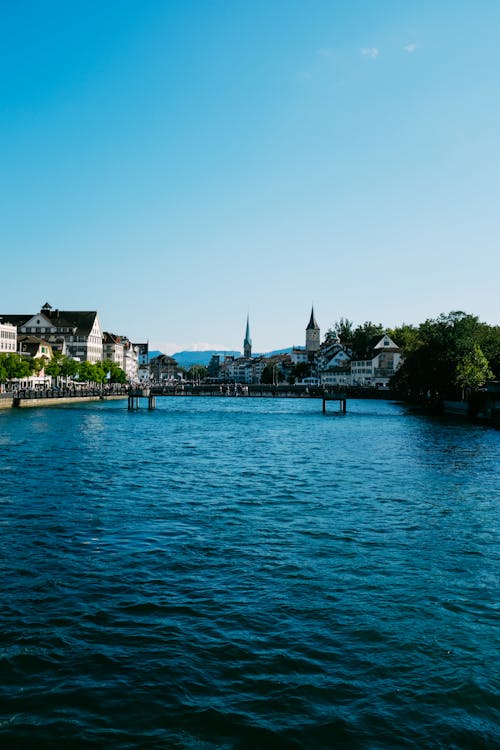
78	334
312	335
8	338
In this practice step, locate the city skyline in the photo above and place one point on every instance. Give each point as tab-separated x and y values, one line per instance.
179	166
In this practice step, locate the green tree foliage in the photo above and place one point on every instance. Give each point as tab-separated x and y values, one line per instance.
271	374
116	374
405	336
69	367
364	338
86	372
267	375
53	367
342	330
197	372
15	366
489	341
472	370
445	356
300	371
3	368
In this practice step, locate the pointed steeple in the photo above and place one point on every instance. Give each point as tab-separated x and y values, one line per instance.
247	343
312	325
312	335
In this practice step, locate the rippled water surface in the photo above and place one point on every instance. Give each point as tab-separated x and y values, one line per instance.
247	573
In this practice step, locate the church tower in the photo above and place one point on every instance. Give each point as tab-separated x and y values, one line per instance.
247	343
312	335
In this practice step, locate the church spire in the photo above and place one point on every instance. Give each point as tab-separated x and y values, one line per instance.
247	343
312	335
312	325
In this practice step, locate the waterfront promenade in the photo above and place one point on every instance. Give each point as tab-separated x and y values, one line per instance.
29	397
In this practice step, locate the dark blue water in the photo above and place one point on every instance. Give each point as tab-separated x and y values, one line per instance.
247	573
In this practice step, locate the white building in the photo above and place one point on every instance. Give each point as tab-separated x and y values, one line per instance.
78	334
8	338
112	348
130	360
299	354
337	370
378	370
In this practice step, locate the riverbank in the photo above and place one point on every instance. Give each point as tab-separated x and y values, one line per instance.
13	402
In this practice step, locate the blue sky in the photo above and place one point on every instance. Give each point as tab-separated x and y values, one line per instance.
175	165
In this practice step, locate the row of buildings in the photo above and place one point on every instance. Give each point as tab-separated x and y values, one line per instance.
329	363
79	335
75	334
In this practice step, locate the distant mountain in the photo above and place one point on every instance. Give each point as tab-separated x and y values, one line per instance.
188	359
152	355
275	353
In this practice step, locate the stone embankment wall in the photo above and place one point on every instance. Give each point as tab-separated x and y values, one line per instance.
23	403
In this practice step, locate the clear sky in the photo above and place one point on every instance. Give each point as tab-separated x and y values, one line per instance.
177	164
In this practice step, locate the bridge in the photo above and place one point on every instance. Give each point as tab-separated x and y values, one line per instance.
137	394
326	393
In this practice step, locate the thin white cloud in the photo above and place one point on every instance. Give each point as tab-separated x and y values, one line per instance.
411	47
370	52
171	347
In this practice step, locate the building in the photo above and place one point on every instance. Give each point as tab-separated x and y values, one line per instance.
35	347
336	370
143	361
237	369
163	368
8	338
378	370
247	342
112	348
312	336
76	333
298	355
130	364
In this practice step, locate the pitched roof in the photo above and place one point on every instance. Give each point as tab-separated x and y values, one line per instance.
15	320
312	325
82	320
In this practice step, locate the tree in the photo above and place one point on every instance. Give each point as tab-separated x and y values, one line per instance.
443	359
16	366
86	372
300	371
489	341
405	336
3	368
364	338
472	370
267	375
39	364
69	367
197	372
342	330
116	374
53	368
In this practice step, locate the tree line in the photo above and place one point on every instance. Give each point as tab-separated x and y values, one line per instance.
444	357
16	366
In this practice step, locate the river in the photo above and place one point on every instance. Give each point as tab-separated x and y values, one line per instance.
247	573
